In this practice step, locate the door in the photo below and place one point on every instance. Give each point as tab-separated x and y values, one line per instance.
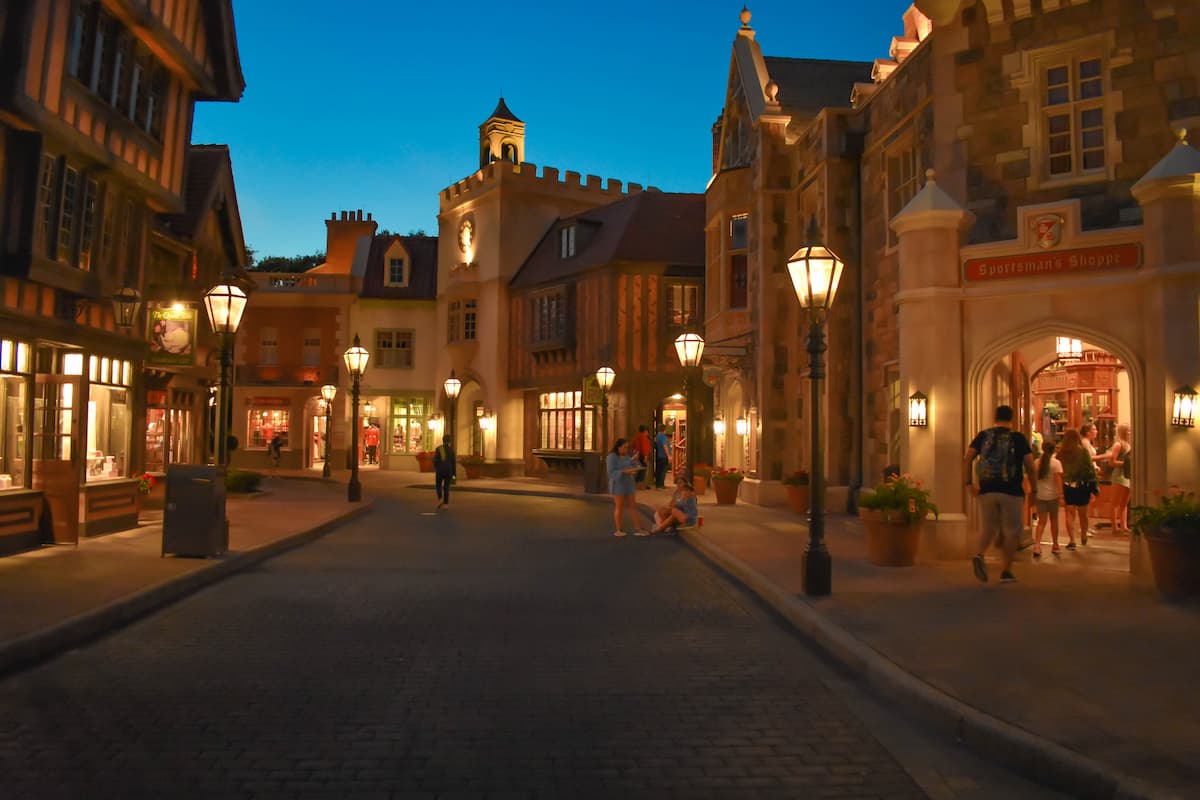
57	431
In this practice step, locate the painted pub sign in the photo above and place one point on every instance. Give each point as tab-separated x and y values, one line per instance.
172	337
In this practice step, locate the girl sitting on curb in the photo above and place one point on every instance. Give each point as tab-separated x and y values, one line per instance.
682	510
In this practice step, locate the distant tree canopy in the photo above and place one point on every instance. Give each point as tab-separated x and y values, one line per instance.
293	264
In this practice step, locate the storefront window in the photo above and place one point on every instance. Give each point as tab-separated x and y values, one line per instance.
563	422
263	424
156	436
108	419
14	363
410	433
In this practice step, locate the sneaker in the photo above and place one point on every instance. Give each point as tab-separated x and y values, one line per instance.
641	532
1070	545
1055	550
980	568
1037	553
619	534
1007	577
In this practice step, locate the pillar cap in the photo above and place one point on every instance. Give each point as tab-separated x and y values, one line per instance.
1182	160
931	208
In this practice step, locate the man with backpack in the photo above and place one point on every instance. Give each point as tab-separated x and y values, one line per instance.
444	468
1004	460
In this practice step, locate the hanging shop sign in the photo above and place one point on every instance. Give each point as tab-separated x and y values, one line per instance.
1032	265
172	337
592	396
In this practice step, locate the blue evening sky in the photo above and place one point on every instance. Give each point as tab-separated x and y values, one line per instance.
375	104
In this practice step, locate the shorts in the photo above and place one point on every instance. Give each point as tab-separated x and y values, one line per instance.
1047	506
1080	495
1001	515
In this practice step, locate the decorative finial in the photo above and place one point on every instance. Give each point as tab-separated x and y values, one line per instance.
1182	133
930	175
771	90
745	17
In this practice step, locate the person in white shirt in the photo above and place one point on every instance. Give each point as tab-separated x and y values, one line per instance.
1049	495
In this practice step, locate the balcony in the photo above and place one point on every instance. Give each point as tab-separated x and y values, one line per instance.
284	375
302	283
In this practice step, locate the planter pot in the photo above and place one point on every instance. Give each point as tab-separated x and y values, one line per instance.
472	470
798	497
425	463
1175	561
727	492
700	484
890	543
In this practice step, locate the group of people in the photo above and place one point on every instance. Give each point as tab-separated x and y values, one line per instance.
1062	474
626	470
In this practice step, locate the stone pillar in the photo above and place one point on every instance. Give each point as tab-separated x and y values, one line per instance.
930	230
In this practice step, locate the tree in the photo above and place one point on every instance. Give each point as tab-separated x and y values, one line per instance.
293	264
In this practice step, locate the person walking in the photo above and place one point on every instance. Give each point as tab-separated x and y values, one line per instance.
444	467
1003	455
662	458
641	451
1079	484
621	469
275	449
1049	497
1119	460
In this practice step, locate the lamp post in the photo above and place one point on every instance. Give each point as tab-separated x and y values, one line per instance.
689	347
225	304
328	392
356	358
815	273
605	377
453	386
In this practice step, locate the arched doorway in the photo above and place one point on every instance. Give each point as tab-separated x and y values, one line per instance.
315	432
472	404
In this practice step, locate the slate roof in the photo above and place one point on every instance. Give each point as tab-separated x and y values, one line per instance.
807	84
502	112
202	171
422	269
650	226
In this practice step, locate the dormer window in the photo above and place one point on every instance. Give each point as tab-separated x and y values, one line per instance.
396	276
566	241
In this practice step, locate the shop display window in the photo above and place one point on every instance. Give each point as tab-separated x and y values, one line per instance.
12	423
156	437
563	421
410	432
263	424
108	418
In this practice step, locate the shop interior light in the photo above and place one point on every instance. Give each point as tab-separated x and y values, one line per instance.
1183	410
72	364
1069	350
918	410
740	426
719	426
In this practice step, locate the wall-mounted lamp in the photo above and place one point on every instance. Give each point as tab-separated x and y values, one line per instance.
719	426
1183	410
487	422
740	426
434	421
125	307
918	410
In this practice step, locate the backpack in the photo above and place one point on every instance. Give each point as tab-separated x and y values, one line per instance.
995	460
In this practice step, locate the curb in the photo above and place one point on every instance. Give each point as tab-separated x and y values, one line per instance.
39	646
1028	754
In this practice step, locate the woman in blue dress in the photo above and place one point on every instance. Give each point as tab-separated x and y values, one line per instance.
621	485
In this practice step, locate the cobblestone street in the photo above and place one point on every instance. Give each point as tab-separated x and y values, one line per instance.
504	649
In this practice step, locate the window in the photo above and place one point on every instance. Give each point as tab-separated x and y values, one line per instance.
901	181
462	322
564	423
268	346
108	418
47	183
452	321
14	366
410	428
895	422
566	241
738	279
683	305
263	424
66	223
395	273
311	352
549	315
469	320
394	349
87	232
1073	117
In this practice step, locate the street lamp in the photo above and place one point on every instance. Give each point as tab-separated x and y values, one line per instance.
816	272
225	304
605	377
453	386
328	392
689	347
356	358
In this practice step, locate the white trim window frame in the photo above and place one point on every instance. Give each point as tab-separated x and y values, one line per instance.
395	272
394	348
268	346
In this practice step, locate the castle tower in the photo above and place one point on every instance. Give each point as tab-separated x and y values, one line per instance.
501	137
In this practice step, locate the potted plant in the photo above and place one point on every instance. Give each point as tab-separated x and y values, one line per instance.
797	490
892	515
425	461
472	463
725	483
1172	535
700	476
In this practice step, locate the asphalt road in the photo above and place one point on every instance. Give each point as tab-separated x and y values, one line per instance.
510	647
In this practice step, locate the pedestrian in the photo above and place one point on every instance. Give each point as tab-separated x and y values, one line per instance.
641	451
1118	459
275	449
371	440
1003	455
1048	497
444	467
682	510
662	457
1079	484
621	469
1088	433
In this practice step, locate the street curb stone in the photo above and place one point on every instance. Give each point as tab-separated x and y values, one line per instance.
39	646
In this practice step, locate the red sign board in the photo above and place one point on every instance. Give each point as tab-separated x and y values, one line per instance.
1032	265
268	402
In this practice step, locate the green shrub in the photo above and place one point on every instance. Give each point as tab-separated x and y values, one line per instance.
241	481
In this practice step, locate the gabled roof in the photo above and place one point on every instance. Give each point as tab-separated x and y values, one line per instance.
208	184
650	226
502	112
807	85
222	39
422	269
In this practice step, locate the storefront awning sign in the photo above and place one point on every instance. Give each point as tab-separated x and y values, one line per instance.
1033	265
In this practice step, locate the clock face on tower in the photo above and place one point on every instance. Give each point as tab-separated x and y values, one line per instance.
466	235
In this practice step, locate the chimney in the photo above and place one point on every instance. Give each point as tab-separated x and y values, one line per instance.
341	238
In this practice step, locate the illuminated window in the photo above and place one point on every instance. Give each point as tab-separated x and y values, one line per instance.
410	432
263	425
564	423
683	305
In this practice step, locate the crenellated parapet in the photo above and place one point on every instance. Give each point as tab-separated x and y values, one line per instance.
549	180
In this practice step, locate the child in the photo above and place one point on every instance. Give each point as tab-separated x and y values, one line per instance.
681	511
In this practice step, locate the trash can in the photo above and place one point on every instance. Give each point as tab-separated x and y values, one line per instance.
595	475
194	511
